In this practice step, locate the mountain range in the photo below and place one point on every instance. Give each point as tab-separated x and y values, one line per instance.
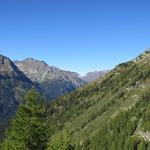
111	113
52	80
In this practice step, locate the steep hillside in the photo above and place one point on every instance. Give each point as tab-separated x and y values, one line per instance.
54	81
92	76
13	84
112	113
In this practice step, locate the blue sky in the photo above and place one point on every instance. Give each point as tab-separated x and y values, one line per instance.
76	35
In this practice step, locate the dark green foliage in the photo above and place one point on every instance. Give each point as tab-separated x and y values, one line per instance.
119	133
29	128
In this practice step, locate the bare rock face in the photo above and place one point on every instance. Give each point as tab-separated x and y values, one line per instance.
13	84
92	76
54	81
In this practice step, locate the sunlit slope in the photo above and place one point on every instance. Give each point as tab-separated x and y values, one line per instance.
85	111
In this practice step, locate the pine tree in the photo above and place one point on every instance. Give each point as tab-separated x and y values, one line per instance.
29	128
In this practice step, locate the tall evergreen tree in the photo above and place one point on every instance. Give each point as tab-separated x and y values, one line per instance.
29	128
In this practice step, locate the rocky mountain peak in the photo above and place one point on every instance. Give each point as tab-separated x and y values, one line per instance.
54	81
31	61
7	67
36	70
4	59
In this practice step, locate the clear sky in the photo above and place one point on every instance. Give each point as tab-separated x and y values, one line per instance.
77	35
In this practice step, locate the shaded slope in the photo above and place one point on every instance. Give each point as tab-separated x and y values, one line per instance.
13	84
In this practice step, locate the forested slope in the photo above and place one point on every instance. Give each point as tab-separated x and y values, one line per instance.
114	109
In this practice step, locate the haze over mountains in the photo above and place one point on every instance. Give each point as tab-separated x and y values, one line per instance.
92	76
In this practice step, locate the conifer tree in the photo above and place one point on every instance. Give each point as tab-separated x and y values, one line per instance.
29	128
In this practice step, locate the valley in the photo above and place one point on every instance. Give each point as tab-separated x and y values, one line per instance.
109	113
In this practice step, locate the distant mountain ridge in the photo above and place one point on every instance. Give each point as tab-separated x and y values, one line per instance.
92	76
54	81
